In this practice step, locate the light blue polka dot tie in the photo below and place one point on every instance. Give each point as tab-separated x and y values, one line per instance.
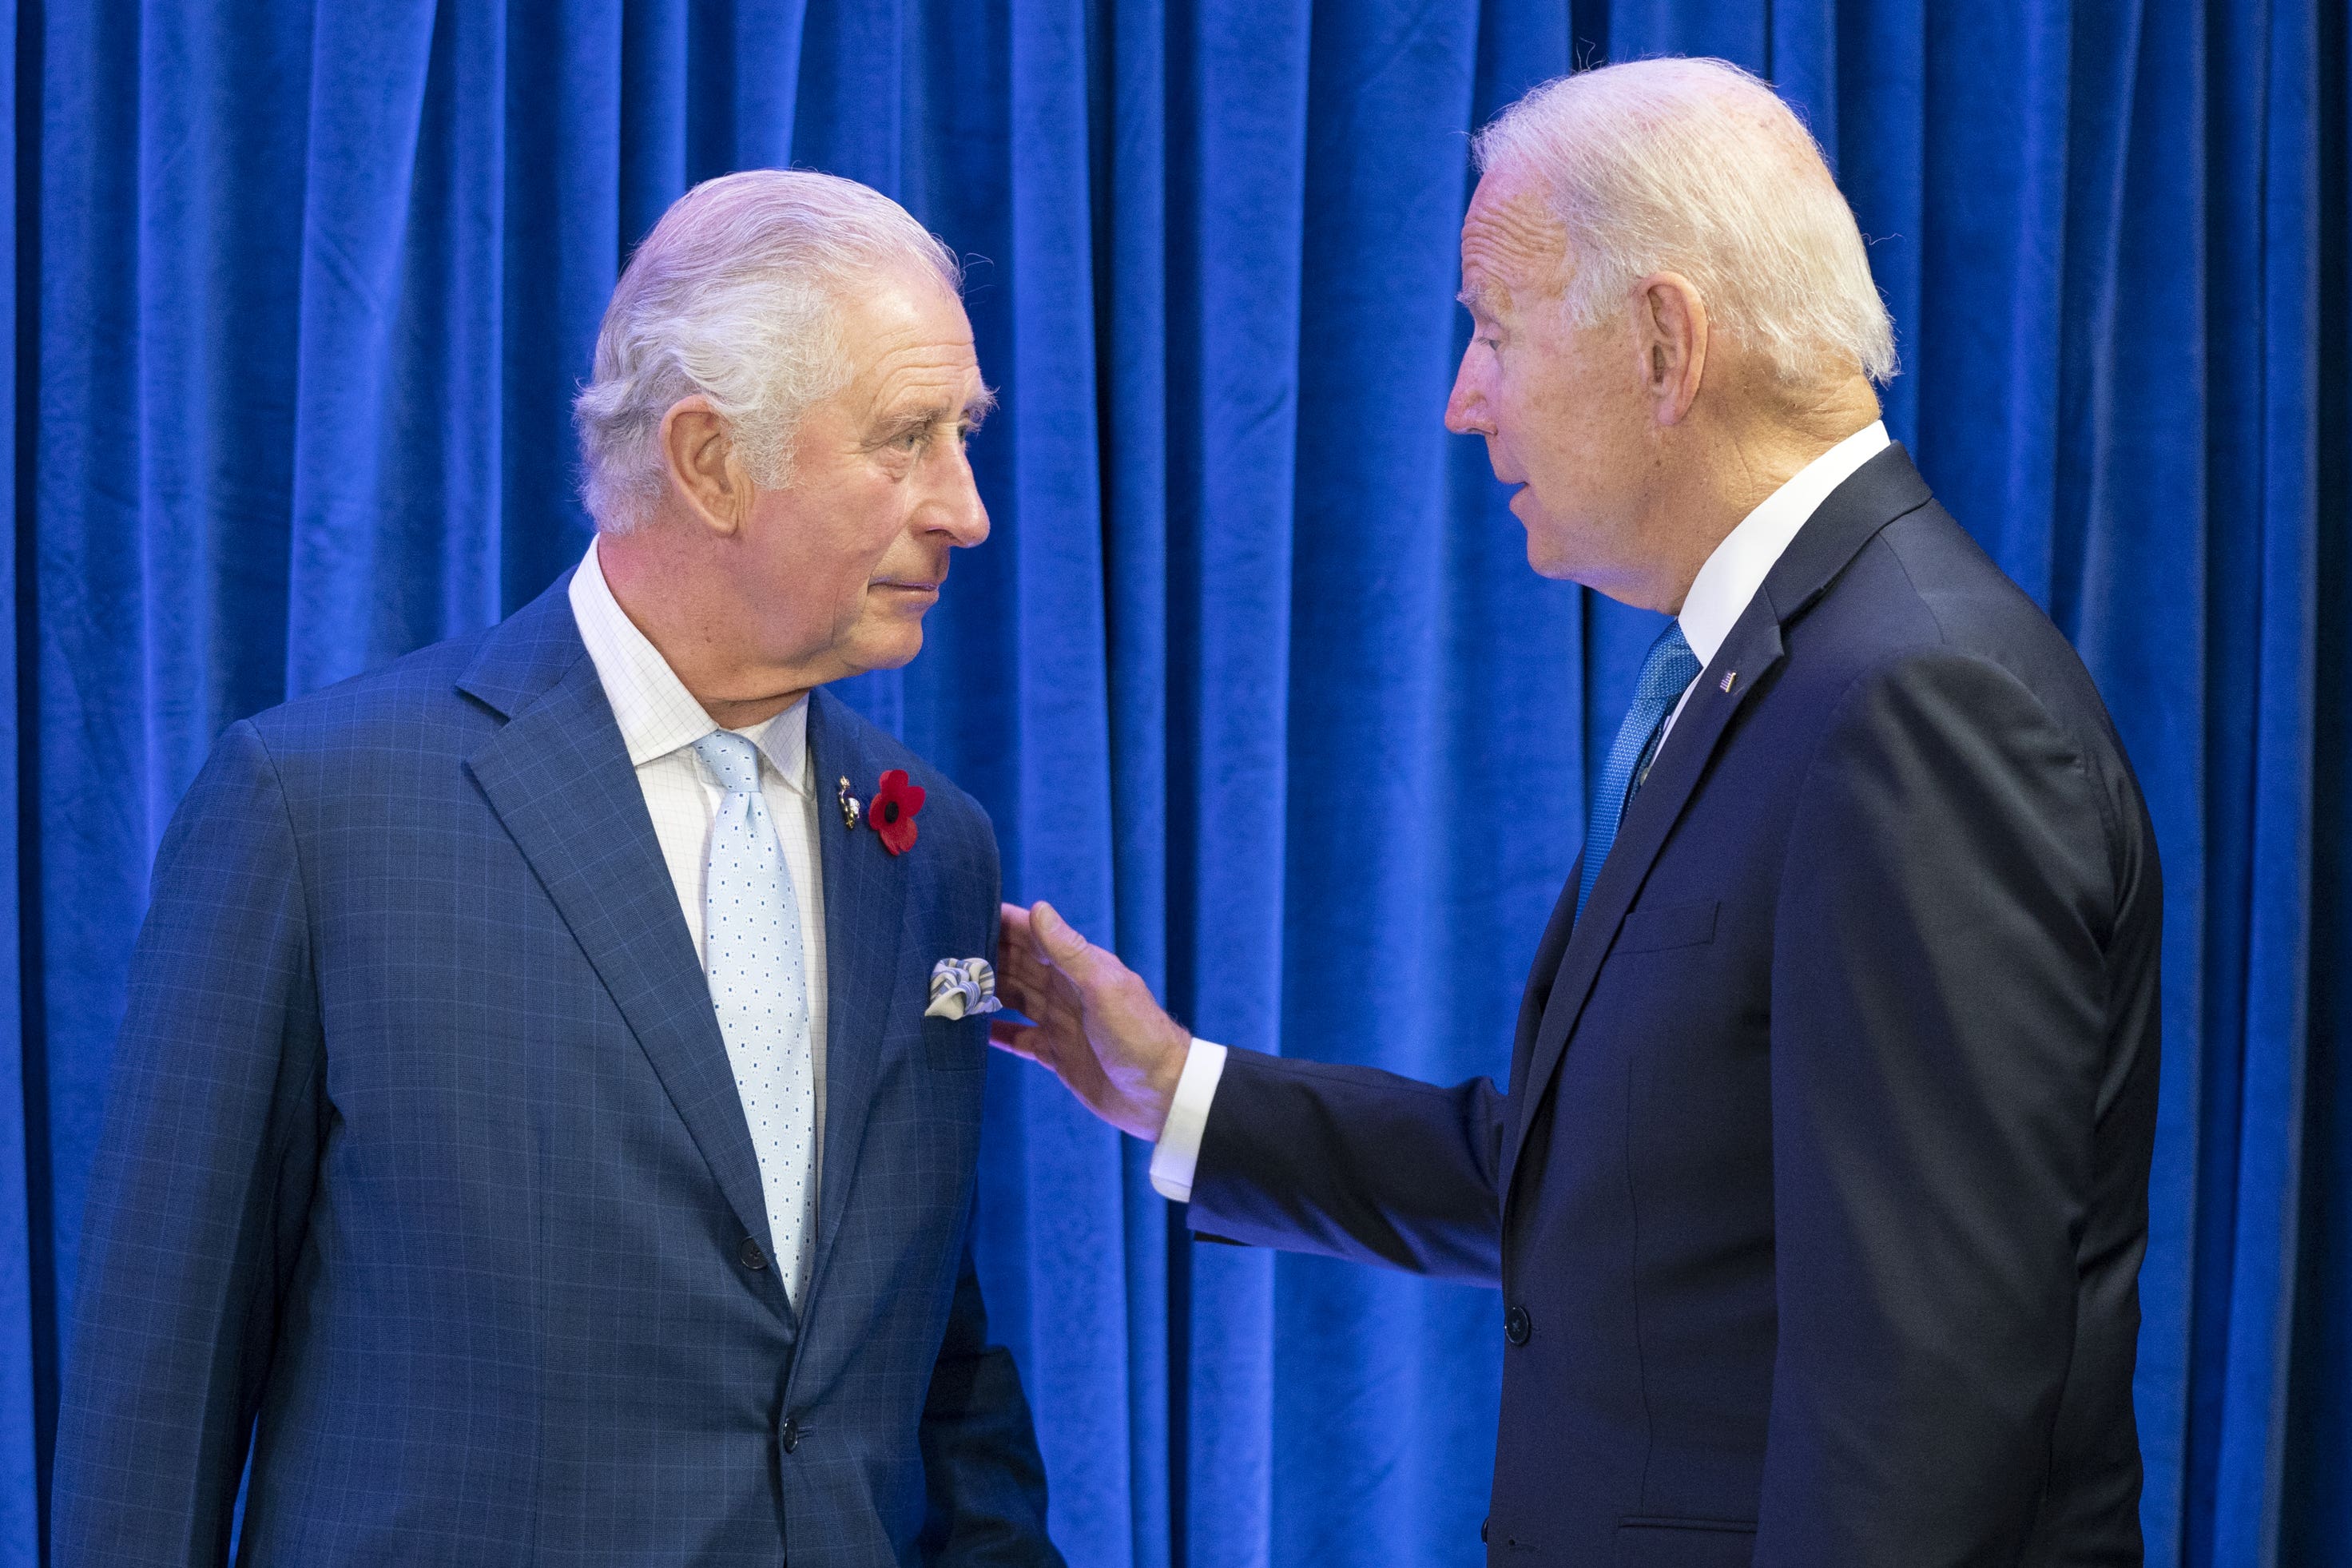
759	983
1670	667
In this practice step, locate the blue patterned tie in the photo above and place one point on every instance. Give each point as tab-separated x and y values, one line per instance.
752	950
1670	667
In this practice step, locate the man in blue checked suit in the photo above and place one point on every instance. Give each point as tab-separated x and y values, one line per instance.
532	1141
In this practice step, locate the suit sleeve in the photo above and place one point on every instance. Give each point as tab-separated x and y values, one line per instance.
985	1484
201	1186
1938	1041
1352	1162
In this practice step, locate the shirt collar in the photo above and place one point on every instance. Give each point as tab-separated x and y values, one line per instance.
657	714
1720	595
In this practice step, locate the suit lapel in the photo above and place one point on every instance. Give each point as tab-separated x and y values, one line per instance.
1752	650
865	905
1877	493
1543	975
559	777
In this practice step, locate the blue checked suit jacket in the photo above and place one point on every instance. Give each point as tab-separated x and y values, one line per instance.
424	1170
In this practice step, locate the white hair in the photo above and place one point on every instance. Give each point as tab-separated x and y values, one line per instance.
1695	166
736	296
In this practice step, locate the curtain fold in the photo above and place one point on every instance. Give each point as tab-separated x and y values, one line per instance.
24	1294
1251	676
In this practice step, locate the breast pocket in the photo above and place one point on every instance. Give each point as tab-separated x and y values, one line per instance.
1652	928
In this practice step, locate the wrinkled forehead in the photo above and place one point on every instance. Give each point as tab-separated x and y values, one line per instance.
1513	249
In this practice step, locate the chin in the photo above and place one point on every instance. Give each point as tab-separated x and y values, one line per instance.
890	650
1557	547
1549	561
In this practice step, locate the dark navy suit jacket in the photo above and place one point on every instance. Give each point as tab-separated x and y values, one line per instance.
1819	1197
425	1168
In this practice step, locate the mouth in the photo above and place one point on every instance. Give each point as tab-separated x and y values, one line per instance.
904	587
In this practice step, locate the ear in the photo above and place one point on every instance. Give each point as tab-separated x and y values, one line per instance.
705	474
1671	322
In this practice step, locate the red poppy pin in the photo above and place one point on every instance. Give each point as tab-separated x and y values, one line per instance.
893	813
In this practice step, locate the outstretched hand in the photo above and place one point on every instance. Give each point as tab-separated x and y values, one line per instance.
1096	1024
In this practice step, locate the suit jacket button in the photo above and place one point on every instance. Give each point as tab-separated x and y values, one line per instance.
1517	1325
791	1433
754	1259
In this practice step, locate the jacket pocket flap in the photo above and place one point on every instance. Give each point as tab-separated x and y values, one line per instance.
1648	929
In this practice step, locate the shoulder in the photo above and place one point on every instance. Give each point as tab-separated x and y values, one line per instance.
410	704
1930	696
1935	677
1921	607
1923	635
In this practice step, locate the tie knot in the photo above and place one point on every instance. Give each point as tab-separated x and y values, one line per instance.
733	759
1671	666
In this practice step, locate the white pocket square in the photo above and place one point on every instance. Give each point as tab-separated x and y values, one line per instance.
962	987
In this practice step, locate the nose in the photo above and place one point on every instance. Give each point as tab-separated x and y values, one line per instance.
955	508
1465	408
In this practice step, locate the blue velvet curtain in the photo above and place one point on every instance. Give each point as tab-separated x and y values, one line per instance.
1254	677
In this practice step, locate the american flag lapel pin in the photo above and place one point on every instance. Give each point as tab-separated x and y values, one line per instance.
1729	676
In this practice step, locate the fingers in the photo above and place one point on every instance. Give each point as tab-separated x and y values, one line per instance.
1054	937
1022	1000
1017	961
1020	977
1046	969
1021	970
1013	937
1018	1039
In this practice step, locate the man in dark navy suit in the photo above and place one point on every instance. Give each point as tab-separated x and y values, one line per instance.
535	1139
1819	1194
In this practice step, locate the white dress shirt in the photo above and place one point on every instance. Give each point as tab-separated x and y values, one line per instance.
1718	596
660	721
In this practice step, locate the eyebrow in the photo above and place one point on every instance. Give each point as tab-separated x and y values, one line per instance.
1479	298
971	413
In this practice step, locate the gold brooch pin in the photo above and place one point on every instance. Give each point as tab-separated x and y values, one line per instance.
848	803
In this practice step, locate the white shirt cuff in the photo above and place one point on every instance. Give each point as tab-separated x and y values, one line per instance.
1177	1153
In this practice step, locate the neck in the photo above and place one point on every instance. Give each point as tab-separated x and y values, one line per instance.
1730	466
663	587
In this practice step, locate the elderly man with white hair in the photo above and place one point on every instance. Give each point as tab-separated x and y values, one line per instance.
544	1125
1818	1193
